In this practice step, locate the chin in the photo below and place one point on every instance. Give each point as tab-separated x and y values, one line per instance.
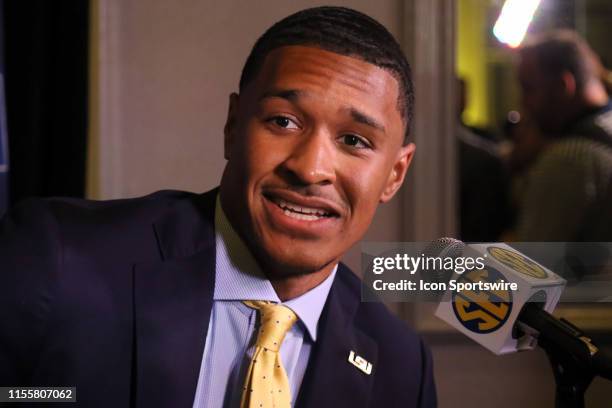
296	260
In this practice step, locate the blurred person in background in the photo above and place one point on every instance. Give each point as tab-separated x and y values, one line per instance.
568	194
523	146
483	181
526	143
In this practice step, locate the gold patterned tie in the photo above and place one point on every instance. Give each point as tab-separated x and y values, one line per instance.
266	384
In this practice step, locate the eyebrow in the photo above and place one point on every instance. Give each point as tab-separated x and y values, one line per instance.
292	95
289	94
365	119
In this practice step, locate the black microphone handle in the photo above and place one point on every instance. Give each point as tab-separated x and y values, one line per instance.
560	337
602	362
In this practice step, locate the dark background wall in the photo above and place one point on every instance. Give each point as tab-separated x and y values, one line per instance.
46	54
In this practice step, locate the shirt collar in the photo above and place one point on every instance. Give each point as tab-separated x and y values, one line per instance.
238	277
309	306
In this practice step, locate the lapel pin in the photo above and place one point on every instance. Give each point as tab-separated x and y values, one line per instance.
360	362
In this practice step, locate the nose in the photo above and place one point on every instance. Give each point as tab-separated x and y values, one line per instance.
312	160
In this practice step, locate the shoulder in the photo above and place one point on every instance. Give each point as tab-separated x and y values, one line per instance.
52	236
68	209
42	234
572	162
72	217
576	151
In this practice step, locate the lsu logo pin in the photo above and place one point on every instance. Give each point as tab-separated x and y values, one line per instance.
360	362
517	262
482	311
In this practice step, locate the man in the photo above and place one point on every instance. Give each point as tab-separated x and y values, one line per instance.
569	192
157	301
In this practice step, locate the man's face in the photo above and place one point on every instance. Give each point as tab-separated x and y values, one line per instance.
541	95
313	144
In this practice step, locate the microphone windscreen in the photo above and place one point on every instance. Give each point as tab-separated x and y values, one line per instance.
488	306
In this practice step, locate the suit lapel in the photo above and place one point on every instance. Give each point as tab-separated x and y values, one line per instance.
172	305
330	379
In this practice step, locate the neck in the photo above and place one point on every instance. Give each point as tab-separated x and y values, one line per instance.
290	287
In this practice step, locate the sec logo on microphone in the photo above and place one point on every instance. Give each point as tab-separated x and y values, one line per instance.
482	311
518	262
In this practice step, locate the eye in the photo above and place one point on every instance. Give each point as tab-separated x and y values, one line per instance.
355	141
283	122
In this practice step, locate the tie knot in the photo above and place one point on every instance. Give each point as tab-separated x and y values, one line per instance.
275	321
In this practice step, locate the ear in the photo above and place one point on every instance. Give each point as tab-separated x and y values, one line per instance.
568	82
230	125
398	172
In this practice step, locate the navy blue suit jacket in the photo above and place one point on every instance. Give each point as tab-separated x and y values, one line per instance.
114	298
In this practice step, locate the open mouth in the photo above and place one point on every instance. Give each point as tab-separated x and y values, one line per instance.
300	211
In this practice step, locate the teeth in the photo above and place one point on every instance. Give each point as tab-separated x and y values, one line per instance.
301	213
299	216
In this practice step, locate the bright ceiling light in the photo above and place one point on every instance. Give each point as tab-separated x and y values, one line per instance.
513	21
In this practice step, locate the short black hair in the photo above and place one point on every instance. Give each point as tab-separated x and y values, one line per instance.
563	50
343	31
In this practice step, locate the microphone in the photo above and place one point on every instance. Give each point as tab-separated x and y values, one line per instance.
504	321
488	307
